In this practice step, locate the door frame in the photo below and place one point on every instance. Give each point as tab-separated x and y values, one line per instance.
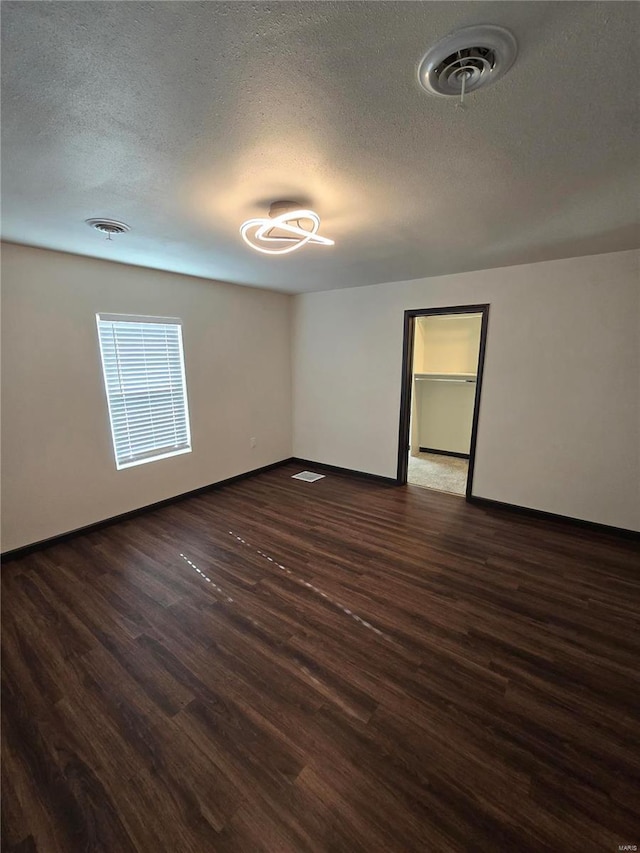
407	382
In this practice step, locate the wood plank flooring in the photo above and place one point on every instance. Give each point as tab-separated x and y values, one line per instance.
340	666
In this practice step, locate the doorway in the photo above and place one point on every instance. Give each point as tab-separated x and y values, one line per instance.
443	360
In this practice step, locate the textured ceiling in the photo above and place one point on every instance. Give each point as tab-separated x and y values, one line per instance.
184	119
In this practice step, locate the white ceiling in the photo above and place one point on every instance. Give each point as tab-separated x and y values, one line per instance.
184	119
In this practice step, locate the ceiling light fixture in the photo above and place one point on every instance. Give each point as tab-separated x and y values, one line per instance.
281	232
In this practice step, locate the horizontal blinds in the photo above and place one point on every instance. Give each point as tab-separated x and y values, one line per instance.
143	366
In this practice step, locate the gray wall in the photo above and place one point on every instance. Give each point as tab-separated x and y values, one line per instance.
57	458
559	426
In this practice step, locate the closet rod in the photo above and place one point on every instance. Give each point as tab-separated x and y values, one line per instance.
434	379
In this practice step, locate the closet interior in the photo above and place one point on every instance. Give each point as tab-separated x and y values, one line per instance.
445	365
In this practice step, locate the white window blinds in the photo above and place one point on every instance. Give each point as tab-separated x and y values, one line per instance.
143	366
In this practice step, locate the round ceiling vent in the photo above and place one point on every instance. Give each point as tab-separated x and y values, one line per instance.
467	60
108	226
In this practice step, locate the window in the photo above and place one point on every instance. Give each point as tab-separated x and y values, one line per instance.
143	366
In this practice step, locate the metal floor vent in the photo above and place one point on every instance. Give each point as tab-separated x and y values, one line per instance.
308	476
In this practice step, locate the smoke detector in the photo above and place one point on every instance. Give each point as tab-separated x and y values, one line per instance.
108	226
467	60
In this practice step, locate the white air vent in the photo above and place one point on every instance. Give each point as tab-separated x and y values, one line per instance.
308	476
468	60
108	226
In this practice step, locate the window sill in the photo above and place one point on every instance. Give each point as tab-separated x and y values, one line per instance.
122	465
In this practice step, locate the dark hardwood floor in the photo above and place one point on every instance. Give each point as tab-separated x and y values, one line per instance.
339	666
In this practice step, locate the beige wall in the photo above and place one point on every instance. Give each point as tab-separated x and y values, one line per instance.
444	411
58	469
450	344
559	422
418	359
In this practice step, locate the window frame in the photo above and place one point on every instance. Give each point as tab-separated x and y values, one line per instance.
153	455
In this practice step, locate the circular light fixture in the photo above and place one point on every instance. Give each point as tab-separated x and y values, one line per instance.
281	232
470	59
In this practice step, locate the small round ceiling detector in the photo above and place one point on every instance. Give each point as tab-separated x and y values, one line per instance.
467	60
